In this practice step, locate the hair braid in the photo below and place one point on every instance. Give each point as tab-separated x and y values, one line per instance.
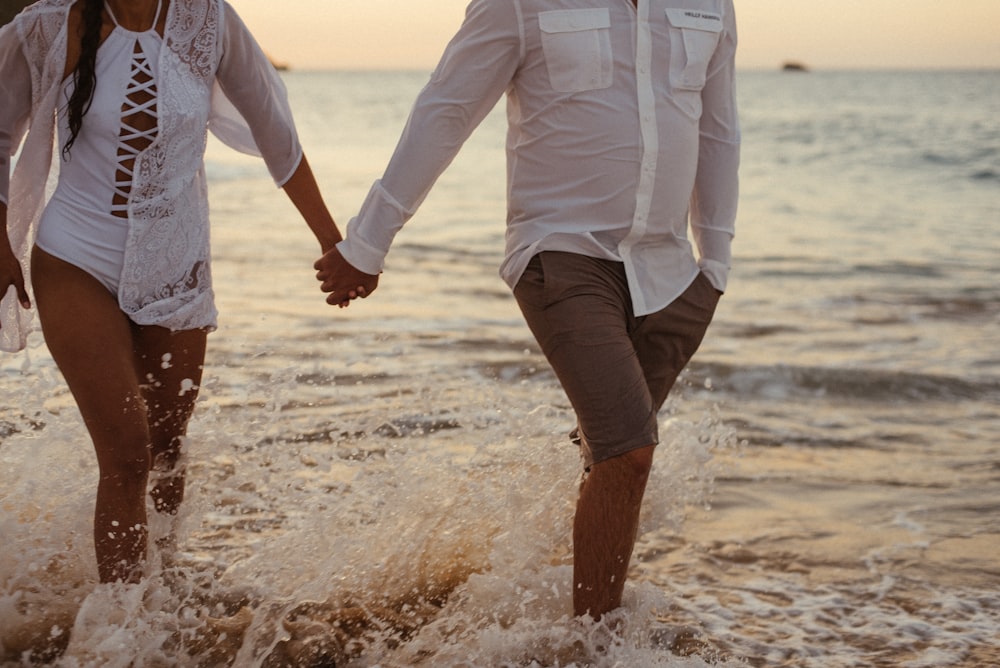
85	74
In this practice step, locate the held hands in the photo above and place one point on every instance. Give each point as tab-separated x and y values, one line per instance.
339	278
342	280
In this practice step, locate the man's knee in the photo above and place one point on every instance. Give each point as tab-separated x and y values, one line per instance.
640	461
633	466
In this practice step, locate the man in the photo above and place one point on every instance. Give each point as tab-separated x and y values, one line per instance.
622	128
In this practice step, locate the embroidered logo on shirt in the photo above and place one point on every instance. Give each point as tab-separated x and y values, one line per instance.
703	15
694	19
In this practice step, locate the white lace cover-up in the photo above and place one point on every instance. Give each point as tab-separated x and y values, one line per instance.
206	72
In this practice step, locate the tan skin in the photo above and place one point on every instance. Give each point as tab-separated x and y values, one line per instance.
605	528
135	385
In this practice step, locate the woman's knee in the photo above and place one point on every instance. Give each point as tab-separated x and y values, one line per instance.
124	470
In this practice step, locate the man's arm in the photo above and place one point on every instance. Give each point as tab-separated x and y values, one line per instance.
716	191
473	74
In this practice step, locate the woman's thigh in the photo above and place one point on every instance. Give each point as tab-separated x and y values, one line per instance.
90	340
169	366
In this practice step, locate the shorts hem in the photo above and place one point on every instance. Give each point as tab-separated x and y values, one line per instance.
591	457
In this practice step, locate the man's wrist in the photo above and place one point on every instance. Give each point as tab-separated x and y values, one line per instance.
362	257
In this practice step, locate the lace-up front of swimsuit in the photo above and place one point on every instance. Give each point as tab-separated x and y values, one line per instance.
86	221
138	121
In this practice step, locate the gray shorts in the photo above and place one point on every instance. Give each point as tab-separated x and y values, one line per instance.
615	368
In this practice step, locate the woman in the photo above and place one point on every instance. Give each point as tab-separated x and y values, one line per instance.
119	255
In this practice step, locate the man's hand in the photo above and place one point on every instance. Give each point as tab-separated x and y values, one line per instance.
342	280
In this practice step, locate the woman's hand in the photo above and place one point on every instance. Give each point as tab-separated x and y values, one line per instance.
11	274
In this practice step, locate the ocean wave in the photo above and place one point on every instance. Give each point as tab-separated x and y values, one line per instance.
866	384
969	303
985	175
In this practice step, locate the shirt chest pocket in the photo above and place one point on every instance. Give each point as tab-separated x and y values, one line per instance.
577	48
694	36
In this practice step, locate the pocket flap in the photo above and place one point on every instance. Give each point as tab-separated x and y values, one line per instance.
694	19
573	20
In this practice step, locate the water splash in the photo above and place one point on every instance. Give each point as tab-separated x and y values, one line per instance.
421	531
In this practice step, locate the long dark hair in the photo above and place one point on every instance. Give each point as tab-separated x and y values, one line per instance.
85	74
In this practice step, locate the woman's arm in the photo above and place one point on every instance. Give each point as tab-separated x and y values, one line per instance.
302	190
255	89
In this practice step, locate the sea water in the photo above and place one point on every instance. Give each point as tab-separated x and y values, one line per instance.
391	484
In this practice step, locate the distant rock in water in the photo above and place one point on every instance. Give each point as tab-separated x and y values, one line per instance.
281	67
792	66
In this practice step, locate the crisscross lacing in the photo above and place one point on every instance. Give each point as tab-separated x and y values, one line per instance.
139	119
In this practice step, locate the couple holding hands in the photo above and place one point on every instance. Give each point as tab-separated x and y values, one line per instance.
623	139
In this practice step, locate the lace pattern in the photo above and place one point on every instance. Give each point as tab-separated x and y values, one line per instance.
169	237
193	34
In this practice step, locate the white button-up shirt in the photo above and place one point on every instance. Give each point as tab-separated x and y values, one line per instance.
622	127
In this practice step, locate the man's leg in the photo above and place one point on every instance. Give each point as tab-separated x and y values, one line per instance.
666	341
607	514
605	529
579	310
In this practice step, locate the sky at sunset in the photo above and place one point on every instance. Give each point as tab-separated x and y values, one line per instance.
847	34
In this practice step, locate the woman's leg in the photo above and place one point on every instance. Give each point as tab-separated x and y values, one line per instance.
91	341
169	367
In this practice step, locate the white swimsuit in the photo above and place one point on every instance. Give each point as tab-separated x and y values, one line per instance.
86	223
